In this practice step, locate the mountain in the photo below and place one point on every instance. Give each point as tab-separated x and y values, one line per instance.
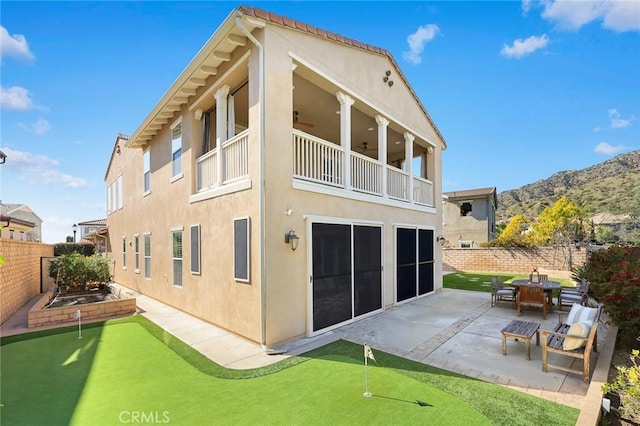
609	187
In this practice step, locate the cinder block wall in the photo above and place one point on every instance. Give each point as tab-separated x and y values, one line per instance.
511	260
20	276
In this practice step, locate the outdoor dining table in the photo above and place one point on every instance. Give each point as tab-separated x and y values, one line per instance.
548	287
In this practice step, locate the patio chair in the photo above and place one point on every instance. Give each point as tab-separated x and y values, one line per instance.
569	296
501	292
532	295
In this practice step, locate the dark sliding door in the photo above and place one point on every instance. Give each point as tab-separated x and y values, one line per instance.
405	264
425	261
331	274
367	278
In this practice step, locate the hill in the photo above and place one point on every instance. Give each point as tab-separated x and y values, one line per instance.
609	187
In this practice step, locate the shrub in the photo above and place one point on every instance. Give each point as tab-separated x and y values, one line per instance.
627	385
68	248
74	271
614	276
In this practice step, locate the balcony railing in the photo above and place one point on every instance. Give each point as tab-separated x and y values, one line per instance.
319	161
235	163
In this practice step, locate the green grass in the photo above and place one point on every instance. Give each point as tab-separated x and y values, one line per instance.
131	367
482	282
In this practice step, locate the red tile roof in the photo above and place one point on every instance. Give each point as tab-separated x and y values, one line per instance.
292	23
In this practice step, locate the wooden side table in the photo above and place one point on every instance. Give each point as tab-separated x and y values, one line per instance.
524	330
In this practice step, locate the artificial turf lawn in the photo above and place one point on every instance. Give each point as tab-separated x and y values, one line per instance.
131	367
482	282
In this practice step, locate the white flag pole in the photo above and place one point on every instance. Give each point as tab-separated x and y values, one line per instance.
366	393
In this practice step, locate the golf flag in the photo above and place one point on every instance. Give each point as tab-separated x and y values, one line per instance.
368	353
76	314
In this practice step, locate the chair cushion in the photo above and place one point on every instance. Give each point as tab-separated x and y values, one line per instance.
505	292
580	313
576	336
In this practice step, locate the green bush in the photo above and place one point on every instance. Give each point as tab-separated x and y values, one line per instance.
627	385
75	271
614	276
68	248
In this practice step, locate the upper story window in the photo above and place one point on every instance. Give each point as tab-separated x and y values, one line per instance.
465	208
119	188
146	160
176	149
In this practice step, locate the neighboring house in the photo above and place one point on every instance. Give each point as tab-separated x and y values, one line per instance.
96	231
469	217
268	191
611	226
19	222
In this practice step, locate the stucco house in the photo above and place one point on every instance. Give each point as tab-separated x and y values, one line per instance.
469	217
268	190
96	231
19	222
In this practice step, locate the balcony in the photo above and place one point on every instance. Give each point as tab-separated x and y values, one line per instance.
322	162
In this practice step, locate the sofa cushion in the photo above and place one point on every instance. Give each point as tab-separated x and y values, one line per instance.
576	336
580	313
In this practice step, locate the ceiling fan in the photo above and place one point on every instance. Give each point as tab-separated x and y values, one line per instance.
364	147
296	120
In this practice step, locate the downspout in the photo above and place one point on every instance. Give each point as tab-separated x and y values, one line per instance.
261	185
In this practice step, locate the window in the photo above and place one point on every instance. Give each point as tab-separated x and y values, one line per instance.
177	257
124	252
465	244
119	181
146	159
21	235
241	249
465	208
176	150
136	252
195	249
147	256
109	206
11	232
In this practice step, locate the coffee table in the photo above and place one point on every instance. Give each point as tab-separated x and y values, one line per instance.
524	330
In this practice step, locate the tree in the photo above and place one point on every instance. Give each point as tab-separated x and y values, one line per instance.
560	224
513	235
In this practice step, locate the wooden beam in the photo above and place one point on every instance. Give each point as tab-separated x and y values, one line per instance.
237	40
188	91
209	69
222	56
198	81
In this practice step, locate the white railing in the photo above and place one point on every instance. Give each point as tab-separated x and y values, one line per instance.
317	160
206	171
397	184
422	191
366	174
320	161
236	157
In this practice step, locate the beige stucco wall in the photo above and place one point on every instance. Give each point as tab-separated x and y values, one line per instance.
20	276
214	295
473	227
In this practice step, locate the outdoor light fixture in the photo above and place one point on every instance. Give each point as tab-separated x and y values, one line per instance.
75	228
292	239
3	157
442	240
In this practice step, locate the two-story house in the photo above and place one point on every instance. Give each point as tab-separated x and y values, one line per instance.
19	222
269	192
469	217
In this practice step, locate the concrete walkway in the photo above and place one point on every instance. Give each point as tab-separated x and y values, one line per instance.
453	329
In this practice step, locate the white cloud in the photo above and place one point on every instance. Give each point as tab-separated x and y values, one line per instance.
14	45
616	15
617	122
521	48
526	6
417	42
15	97
41	126
40	169
606	149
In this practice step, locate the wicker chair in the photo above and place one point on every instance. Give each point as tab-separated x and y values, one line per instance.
501	292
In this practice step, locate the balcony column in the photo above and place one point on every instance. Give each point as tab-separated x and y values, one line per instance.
345	135
383	123
221	130
408	159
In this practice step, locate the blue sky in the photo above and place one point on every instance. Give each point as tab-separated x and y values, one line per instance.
519	90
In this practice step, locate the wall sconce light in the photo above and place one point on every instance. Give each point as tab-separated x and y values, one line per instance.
3	157
292	239
441	240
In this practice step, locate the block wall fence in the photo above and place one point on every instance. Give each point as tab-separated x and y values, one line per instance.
20	276
518	260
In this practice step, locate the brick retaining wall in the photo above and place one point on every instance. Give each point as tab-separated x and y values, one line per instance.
518	260
20	276
38	317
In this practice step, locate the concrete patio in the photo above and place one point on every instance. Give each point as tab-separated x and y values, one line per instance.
455	330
